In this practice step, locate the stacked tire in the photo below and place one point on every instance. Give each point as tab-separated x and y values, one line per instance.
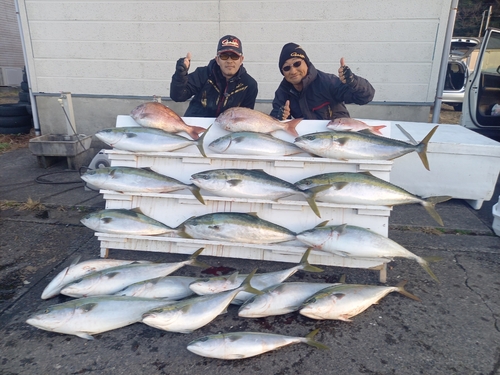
16	118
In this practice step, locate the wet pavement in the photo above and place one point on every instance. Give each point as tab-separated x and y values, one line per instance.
455	329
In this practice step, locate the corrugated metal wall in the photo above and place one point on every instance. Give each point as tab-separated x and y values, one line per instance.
11	52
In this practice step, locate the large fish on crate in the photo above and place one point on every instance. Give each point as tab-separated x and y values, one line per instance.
239	345
234	227
166	288
113	280
124	221
260	281
353	125
252	183
345	145
241	119
365	189
140	139
358	242
342	302
136	180
159	116
252	143
85	317
77	270
190	314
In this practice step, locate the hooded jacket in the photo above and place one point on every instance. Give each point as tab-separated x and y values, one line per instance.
323	96
213	94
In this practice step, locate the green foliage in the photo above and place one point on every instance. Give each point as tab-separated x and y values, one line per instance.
470	15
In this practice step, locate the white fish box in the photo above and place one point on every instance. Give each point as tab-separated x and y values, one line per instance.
496	218
463	164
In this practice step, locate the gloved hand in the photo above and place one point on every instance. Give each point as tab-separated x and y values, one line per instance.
284	111
345	74
183	63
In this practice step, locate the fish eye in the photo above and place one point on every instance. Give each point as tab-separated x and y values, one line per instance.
205	177
310	137
203	339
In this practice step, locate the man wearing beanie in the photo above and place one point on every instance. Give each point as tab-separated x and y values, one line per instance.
222	84
308	93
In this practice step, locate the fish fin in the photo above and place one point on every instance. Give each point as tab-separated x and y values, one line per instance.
365	131
233	277
366	173
309	340
424	262
344	318
253	214
200	141
107	219
304	263
430	206
376	129
112	274
196	192
310	195
404	292
84	335
196	263
147	169
87	307
234	182
194	131
130	135
342	141
340	228
422	147
74	262
342	279
322	224
291	125
137	210
246	286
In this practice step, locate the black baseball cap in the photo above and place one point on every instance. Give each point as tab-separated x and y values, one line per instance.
230	43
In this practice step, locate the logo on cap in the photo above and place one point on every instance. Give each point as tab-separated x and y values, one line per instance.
231	43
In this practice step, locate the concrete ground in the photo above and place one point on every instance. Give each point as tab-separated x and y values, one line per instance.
455	329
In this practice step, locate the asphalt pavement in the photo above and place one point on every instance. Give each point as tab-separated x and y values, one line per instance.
455	329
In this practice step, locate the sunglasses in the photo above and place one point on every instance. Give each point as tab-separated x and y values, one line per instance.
296	64
225	56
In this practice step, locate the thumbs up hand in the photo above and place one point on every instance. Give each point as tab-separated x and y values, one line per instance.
284	111
345	73
183	64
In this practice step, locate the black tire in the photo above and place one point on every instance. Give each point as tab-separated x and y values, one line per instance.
15	121
17	130
25	87
14	109
24	96
458	107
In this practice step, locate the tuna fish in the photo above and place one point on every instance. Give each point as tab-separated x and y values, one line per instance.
77	270
140	139
190	314
342	302
353	125
112	280
355	145
166	288
252	183
251	143
365	189
234	227
358	242
159	116
239	345
142	180
85	317
259	281
241	119
123	221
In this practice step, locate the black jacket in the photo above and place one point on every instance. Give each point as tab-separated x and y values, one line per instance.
322	97
213	94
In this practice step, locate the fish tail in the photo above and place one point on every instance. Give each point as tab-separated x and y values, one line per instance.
422	147
401	289
424	262
304	263
309	341
200	141
193	131
310	195
196	192
376	129
196	263
430	206
291	125
247	287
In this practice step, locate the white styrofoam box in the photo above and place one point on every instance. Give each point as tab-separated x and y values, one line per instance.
496	218
463	164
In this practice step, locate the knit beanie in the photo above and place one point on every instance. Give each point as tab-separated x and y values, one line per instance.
290	50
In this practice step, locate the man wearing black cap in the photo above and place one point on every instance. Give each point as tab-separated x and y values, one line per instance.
308	93
224	83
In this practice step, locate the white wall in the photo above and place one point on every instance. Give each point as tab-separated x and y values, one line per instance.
129	48
11	52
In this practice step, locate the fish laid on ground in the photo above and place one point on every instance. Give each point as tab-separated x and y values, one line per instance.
239	345
77	270
85	317
234	227
252	143
112	280
358	242
259	281
167	288
253	184
342	302
241	119
353	125
140	139
355	145
187	315
142	180
123	221
159	116
366	189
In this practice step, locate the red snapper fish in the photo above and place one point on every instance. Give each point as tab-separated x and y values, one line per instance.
353	125
159	116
